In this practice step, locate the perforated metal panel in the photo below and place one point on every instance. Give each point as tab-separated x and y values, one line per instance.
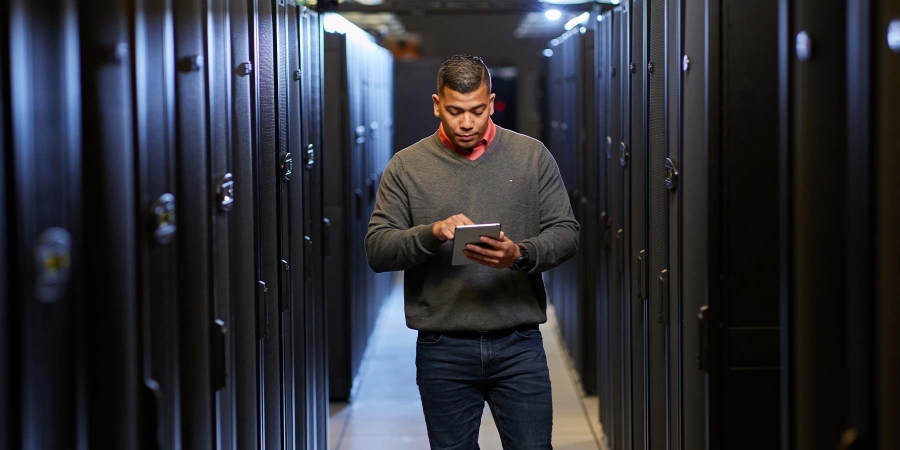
636	202
657	251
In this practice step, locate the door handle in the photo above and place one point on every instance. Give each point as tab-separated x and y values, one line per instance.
326	236
620	250
664	297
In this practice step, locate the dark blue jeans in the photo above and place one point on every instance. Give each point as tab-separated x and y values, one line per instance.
458	371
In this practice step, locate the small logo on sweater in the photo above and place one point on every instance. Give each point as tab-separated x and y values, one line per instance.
511	180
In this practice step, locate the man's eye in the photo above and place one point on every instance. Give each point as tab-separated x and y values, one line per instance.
454	113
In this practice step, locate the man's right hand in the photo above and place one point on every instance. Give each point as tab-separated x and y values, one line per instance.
446	229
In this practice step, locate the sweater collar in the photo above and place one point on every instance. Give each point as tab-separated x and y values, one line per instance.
479	149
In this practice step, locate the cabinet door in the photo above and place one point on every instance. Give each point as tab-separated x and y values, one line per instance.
42	153
603	79
816	46
157	256
109	308
696	191
887	95
243	377
635	291
194	225
219	98
658	248
272	166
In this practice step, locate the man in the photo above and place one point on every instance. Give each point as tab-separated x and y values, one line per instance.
478	324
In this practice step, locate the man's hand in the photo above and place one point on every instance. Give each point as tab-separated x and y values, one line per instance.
500	255
446	229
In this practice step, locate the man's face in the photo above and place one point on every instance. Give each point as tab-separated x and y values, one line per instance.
464	116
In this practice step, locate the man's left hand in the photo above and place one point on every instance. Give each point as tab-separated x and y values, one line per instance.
499	254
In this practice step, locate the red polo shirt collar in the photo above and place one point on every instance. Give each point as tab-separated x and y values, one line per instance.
479	149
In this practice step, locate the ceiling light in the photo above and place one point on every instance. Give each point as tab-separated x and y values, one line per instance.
566	2
553	14
548	53
578	20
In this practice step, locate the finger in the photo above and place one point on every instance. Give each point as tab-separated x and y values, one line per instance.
499	245
502	236
484	251
448	232
481	259
465	220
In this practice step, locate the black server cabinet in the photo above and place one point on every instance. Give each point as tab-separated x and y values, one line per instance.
572	142
243	375
339	210
299	245
886	70
109	396
272	168
604	77
886	410
670	278
42	187
585	202
315	224
815	262
857	136
740	330
699	130
357	148
291	247
657	369
157	259
220	162
194	225
616	159
635	291
5	361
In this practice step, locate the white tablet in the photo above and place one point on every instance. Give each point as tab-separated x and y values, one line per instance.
471	234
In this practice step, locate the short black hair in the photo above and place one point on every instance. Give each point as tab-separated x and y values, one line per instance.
463	74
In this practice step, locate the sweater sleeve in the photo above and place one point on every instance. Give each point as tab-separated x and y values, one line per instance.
558	240
392	242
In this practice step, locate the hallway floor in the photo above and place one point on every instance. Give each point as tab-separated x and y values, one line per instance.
387	413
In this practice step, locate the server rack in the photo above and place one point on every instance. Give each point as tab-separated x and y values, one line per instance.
357	136
42	230
239	200
154	97
636	228
861	47
676	215
571	141
142	283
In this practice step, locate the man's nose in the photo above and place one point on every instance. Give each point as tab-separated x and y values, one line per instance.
467	122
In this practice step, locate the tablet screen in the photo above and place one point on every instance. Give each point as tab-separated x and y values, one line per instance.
471	234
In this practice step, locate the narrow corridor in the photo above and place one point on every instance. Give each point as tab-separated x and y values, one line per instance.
387	414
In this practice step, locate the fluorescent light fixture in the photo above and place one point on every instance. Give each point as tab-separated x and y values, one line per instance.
554	42
548	53
566	2
615	2
577	21
336	23
553	14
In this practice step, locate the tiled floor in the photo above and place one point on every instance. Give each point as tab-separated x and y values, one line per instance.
387	412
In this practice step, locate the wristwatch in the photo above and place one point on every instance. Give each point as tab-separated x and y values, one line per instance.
522	261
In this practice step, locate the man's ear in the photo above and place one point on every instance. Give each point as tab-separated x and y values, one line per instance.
491	111
437	105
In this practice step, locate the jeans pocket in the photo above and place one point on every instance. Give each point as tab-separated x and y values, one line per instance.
426	338
529	333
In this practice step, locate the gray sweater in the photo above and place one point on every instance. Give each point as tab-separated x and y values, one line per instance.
516	182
